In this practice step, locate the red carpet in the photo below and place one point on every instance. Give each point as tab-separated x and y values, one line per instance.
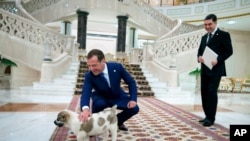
157	121
63	133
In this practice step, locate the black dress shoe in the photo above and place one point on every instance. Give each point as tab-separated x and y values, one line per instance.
207	123
202	120
123	127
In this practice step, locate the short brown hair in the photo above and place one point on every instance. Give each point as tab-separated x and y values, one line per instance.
96	52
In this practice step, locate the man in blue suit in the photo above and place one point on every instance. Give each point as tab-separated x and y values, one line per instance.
102	84
220	42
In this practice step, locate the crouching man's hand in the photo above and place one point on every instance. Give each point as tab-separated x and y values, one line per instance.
131	104
83	116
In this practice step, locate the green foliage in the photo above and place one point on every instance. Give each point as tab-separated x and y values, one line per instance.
195	72
7	62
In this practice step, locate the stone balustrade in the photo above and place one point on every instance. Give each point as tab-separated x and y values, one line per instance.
35	33
138	10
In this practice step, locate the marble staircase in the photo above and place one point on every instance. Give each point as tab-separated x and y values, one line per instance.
83	68
64	85
72	81
164	92
144	88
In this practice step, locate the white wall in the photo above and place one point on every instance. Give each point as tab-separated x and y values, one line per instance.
107	45
238	64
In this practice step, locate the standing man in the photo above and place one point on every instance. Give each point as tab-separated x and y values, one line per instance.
220	42
102	84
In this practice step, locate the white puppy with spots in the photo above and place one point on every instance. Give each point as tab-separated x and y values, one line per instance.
97	124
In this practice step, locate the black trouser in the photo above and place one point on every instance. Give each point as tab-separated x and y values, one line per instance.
209	97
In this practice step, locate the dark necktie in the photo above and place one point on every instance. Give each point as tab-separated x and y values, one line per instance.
209	37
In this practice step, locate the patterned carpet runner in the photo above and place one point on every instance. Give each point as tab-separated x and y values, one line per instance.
156	121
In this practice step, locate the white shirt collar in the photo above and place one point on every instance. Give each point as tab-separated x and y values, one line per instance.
106	74
105	71
214	31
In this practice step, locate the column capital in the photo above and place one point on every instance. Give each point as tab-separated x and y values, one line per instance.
82	28
133	28
66	21
122	17
121	37
82	13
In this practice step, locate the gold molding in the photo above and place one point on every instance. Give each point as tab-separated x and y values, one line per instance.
222	18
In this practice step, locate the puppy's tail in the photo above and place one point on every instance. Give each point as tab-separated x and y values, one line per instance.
113	116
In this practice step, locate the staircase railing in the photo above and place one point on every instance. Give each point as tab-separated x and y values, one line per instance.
35	33
143	14
42	49
166	49
149	18
35	5
16	8
166	28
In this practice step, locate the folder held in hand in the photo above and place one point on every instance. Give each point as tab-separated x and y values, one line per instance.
209	55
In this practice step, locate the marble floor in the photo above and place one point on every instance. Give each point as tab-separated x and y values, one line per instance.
30	117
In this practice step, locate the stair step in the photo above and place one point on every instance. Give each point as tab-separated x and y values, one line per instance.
69	76
157	84
145	93
148	75
64	85
160	89
52	86
31	91
64	81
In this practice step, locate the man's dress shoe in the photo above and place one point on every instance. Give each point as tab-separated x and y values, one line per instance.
202	120
123	127
207	123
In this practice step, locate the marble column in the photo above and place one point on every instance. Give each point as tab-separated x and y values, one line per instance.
133	38
82	28
121	37
47	52
66	28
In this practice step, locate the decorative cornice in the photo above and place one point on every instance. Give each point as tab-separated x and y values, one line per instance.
221	18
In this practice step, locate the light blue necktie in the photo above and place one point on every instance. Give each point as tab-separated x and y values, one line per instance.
104	77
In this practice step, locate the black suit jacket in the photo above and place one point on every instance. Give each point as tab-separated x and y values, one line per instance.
221	44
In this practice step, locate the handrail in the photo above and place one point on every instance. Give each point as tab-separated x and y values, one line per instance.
164	50
168	28
138	10
153	20
19	6
34	33
16	8
178	44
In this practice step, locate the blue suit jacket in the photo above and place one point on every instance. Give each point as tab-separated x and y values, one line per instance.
94	85
221	44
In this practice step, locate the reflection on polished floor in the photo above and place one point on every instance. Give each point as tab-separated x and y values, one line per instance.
30	117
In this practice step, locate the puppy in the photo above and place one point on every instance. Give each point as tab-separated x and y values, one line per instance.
97	124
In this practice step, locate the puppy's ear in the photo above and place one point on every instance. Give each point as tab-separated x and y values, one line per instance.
63	116
67	116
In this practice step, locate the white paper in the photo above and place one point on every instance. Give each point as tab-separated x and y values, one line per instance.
209	55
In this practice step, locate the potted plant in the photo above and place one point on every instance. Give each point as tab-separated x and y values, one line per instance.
3	75
7	62
196	72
